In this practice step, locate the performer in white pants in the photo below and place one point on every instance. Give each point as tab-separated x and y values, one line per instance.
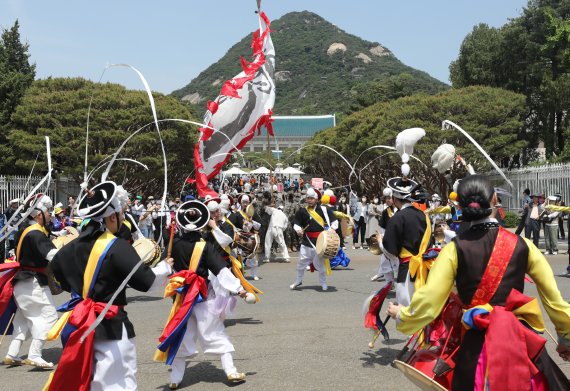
205	324
96	264
36	313
388	267
407	237
309	223
278	223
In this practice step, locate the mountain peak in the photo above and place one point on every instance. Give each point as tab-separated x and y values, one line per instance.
317	66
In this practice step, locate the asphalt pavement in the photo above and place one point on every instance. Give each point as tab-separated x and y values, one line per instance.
304	339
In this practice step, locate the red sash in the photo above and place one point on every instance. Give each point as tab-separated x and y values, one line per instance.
6	287
512	347
500	257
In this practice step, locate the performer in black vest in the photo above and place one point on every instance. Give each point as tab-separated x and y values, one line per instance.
407	237
92	268
309	222
36	313
205	323
219	231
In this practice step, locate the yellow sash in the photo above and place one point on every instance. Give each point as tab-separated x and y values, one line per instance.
313	213
237	266
390	212
33	227
98	248
419	267
245	216
173	285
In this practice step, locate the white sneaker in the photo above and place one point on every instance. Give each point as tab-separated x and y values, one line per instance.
236	377
546	252
38	363
288	260
325	287
266	261
255	278
295	285
555	253
374	277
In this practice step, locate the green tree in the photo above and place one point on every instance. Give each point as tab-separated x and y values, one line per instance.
58	108
492	116
529	55
479	57
16	75
389	87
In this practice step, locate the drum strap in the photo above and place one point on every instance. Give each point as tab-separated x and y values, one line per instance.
33	227
500	257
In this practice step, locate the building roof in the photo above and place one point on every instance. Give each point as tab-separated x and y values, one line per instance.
301	126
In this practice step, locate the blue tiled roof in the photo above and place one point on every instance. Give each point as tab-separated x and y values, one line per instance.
301	126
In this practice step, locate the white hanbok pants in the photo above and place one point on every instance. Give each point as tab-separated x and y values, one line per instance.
388	267
35	316
276	234
114	364
207	328
307	256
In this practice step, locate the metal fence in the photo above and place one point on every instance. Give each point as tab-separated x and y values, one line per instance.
12	187
548	179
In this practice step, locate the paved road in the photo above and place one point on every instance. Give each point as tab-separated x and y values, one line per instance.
305	339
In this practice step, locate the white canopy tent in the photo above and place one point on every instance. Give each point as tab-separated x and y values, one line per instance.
235	170
292	171
260	170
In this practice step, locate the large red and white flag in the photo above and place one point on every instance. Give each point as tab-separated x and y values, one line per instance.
242	108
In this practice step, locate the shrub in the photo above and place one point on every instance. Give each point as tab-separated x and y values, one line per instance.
511	220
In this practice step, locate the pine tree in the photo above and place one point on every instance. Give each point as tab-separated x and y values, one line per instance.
16	75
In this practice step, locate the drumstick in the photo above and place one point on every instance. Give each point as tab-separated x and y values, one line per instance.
7	327
374	338
170	240
377	333
551	336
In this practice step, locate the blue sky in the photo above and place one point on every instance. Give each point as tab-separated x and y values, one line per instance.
171	42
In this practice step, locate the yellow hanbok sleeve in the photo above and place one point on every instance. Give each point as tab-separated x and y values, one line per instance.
556	307
441	209
428	301
558	208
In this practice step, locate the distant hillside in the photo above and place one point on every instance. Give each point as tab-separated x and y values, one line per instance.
319	67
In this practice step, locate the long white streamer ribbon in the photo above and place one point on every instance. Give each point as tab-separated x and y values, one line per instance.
447	124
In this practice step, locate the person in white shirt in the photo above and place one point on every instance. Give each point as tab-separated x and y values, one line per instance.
278	223
550	220
137	208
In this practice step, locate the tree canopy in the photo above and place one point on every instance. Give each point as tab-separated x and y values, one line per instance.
530	55
58	108
16	75
493	117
